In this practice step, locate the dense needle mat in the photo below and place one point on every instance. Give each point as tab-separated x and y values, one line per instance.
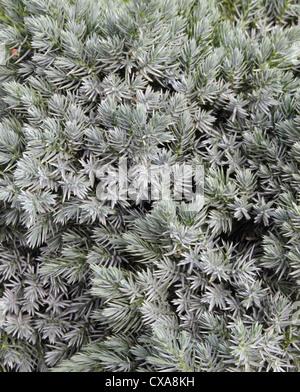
107	110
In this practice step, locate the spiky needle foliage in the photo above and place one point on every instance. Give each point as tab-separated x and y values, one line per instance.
87	285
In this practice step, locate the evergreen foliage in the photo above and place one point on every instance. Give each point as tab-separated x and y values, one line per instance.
95	285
